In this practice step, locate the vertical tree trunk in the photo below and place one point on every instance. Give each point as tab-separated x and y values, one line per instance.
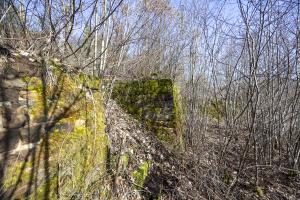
96	40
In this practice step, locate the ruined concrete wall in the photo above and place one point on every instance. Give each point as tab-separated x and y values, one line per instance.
155	103
63	124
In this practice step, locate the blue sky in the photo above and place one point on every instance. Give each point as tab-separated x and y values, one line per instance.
230	10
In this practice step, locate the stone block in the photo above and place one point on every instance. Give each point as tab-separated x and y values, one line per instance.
13	83
8	72
5	104
22	66
11	95
28	94
32	133
64	127
25	102
8	139
18	118
153	102
2	118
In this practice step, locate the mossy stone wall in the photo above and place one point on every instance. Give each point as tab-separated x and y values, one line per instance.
155	102
65	122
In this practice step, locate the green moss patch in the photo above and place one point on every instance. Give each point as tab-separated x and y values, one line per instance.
75	143
141	174
154	102
259	191
22	169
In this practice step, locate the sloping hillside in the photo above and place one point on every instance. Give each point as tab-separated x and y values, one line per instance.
146	163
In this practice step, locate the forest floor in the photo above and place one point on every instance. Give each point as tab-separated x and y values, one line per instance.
168	176
172	174
276	182
185	175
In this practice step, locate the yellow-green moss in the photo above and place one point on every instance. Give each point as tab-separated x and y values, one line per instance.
54	98
35	89
144	99
124	160
89	81
259	191
83	151
82	154
12	174
77	155
227	177
40	192
141	174
164	134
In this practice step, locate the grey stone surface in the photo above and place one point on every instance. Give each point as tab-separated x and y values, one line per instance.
9	95
15	100
19	117
25	102
6	104
65	127
13	83
32	133
9	139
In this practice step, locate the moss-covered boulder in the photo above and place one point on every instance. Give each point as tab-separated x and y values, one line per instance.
155	102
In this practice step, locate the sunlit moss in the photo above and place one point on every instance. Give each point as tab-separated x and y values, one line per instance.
259	191
141	174
18	171
35	89
77	153
227	177
56	67
41	190
82	153
87	81
53	98
124	160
